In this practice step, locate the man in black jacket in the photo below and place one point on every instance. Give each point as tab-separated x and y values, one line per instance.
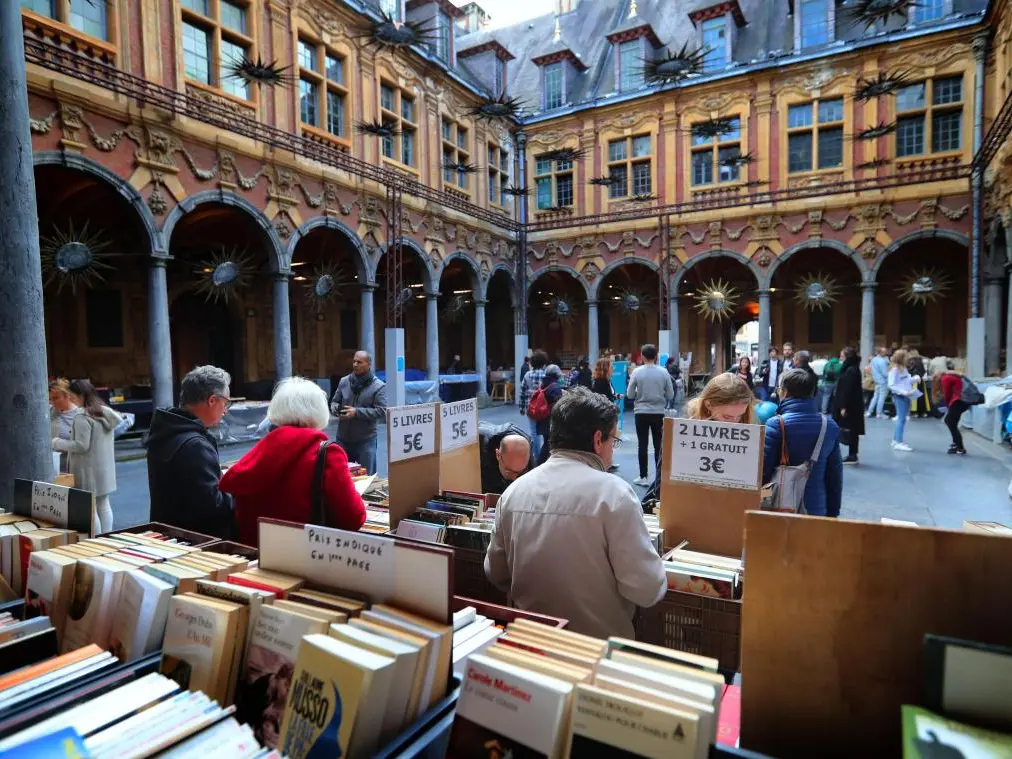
183	465
505	455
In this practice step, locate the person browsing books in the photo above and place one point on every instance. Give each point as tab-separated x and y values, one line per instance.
183	465
360	402
569	538
278	477
505	455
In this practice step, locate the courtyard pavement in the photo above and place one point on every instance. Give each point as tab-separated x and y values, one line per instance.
926	486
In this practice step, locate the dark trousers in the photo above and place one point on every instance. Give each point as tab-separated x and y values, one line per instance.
646	425
855	443
952	421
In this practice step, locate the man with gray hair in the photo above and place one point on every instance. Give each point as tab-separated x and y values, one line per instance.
183	465
360	402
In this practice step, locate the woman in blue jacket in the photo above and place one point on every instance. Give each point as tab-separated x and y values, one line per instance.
802	423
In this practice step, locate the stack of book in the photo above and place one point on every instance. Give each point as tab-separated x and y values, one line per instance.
656	532
541	691
148	716
455	518
18	538
705	574
472	634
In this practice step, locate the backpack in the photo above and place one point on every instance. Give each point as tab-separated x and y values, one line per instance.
970	394
786	491
538	408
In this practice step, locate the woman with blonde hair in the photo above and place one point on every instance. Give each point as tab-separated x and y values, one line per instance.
901	385
62	411
726	398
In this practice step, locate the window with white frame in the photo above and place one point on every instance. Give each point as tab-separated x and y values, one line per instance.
554	183
397	107
714	34
87	16
630	65
441	45
554	85
930	114
928	10
322	90
455	151
815	23
392	8
815	135
629	166
713	157
498	174
215	37
499	75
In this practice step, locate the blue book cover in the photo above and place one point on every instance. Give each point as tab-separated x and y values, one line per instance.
63	743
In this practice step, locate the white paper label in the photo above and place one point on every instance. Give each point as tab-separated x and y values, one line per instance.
49	503
459	424
721	454
412	431
355	561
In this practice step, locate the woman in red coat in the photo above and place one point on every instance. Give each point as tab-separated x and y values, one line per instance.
275	479
948	387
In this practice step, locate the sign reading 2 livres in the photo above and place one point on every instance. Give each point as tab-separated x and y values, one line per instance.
459	424
721	454
412	431
356	561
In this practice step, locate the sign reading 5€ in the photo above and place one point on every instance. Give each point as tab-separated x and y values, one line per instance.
412	431
458	424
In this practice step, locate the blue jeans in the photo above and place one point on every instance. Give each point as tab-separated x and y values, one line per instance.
902	404
878	400
362	452
826	395
535	438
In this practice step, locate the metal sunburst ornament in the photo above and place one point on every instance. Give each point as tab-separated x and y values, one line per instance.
642	198
570	155
561	308
388	33
713	129
327	283
224	274
606	181
72	257
716	300
872	12
460	167
259	72
817	291
499	107
675	66
516	191
883	84
879	130
454	308
384	129
875	163
632	300
924	286
738	160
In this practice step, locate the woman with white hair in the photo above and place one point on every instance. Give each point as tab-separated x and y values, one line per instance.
295	472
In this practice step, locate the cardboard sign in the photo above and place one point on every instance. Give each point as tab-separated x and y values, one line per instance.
458	424
68	508
412	431
720	454
357	561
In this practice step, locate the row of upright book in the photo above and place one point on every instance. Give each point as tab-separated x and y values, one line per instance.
454	518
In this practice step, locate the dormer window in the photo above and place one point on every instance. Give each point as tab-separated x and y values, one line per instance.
498	75
443	35
714	32
392	8
630	63
814	23
554	85
930	10
717	27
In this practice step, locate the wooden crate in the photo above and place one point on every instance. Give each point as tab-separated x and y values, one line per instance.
695	624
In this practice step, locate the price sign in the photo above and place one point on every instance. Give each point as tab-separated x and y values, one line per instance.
722	454
356	561
412	431
50	503
459	424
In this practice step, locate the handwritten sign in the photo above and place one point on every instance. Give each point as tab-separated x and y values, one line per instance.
49	502
68	508
412	431
355	561
720	454
459	424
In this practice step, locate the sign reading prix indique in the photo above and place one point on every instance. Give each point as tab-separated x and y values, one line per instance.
459	424
412	431
720	454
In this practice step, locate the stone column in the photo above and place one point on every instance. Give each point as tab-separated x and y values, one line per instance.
24	416
1008	326
159	335
674	348
480	354
282	328
867	321
432	335
367	322
764	324
993	294
593	347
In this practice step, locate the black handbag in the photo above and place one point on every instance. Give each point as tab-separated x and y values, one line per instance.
318	514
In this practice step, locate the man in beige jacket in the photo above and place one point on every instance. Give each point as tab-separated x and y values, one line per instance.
569	538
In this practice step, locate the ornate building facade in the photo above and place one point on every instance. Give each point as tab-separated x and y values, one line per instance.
268	184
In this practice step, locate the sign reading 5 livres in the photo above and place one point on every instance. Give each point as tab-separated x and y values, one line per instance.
459	424
722	454
412	431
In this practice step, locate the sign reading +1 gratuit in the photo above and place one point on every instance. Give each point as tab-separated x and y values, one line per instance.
721	454
459	422
412	431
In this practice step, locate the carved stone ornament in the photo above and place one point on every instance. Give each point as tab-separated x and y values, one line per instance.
156	201
590	272
869	250
283	228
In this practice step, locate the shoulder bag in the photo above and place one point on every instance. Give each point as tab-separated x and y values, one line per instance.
318	512
786	491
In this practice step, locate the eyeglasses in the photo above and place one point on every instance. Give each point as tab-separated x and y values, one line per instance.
616	441
226	402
